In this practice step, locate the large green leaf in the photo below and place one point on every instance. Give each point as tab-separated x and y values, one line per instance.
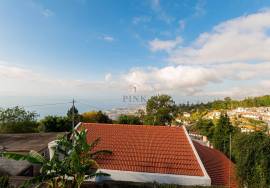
32	157
38	157
94	143
100	152
14	156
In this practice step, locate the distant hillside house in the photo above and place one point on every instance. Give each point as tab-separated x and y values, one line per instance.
148	154
186	114
213	115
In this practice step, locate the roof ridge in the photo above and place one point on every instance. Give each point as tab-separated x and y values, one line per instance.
133	125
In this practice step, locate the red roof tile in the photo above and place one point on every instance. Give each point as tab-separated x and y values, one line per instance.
139	148
217	166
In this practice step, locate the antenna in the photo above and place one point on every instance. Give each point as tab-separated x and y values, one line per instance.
73	106
230	159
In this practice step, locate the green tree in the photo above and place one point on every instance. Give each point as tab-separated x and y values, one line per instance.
95	117
140	113
160	110
55	124
227	103
17	120
77	116
74	160
129	119
222	132
252	155
205	127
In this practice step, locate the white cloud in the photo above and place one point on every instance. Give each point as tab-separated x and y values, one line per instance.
141	19
161	14
108	38
178	79
26	82
40	9
47	12
193	79
182	24
232	59
244	39
171	78
233	52
108	77
261	88
155	5
164	45
199	9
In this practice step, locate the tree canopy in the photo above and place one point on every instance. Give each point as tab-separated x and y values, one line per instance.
227	103
205	127
252	155
95	117
129	119
77	116
55	124
160	110
222	133
17	120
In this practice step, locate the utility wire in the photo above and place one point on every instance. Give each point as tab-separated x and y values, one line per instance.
89	105
39	105
60	103
50	104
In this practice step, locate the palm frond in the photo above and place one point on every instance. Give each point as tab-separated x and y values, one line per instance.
38	157
94	143
100	152
14	156
29	183
31	157
97	174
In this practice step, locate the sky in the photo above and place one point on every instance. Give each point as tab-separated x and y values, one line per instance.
98	51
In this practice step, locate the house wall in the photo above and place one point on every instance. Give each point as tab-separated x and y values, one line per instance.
117	175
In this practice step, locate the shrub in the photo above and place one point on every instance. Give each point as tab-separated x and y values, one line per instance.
129	119
252	155
56	124
95	117
17	120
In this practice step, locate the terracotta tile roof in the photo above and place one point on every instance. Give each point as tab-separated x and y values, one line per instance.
153	149
217	166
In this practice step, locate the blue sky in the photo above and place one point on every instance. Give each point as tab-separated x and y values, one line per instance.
96	50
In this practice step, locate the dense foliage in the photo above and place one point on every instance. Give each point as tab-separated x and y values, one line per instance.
252	155
73	161
17	120
222	133
95	117
160	110
250	151
55	124
227	103
4	181
205	127
129	119
73	114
